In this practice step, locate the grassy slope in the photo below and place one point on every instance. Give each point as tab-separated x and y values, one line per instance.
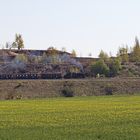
105	118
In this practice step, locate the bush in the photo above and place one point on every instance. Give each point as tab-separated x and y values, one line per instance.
115	67
21	58
100	68
67	90
109	89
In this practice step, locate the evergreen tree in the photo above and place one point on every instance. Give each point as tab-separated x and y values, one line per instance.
104	56
135	54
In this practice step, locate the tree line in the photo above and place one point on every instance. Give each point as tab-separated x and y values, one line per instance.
106	65
125	53
18	43
110	66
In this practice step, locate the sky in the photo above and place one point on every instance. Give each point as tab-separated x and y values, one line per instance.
88	26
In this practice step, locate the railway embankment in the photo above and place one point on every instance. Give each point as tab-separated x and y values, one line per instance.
25	89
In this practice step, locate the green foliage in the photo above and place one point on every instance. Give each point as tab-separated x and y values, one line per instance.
110	69
67	90
135	54
53	54
52	50
22	58
18	41
77	118
104	56
110	89
73	69
123	54
114	66
100	68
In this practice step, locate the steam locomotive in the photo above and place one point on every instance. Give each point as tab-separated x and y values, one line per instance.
68	75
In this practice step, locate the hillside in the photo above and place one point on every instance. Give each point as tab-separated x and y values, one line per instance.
55	64
23	89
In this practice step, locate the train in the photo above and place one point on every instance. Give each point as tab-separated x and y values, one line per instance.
68	75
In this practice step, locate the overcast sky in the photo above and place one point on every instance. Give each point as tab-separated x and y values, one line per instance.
84	25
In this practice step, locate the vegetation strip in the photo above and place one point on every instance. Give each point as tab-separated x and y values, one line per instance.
105	118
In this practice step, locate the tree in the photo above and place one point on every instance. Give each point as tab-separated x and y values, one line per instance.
52	50
73	53
18	43
103	56
53	55
100	68
123	54
135	54
114	66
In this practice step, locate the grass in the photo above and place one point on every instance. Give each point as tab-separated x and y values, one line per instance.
78	118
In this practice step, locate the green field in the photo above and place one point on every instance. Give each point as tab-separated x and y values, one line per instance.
78	118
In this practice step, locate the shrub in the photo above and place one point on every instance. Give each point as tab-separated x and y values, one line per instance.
21	58
67	90
100	68
115	67
109	89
